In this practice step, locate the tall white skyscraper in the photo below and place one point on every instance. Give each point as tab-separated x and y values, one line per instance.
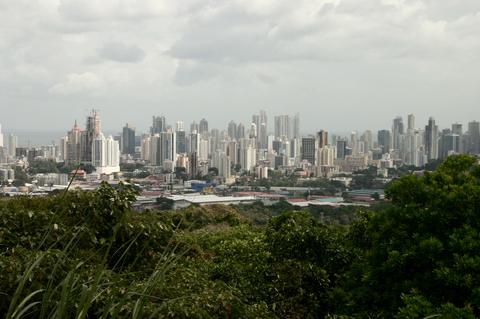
431	140
106	154
1	136
282	126
222	162
12	144
296	126
204	149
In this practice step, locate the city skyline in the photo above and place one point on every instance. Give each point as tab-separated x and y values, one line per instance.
338	62
145	126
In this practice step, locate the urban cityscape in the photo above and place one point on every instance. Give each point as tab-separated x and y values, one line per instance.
172	157
254	159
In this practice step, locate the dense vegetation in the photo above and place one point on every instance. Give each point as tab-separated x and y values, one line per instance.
87	255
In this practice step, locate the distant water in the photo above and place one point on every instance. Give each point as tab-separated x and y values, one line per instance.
35	138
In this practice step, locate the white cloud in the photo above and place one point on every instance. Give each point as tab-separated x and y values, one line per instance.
244	53
78	83
120	52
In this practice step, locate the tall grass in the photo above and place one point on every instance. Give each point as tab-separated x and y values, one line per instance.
70	293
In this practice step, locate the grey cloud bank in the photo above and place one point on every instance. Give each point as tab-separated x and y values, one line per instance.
344	64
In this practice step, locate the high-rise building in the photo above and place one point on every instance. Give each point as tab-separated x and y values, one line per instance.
384	141
341	149
448	143
248	155
194	128
326	156
260	122
240	131
193	164
282	126
354	142
457	128
168	151
154	150
158	125
367	139
308	149
203	149
1	136
221	161
203	127
398	132
232	152
179	126
473	138
128	140
322	138
253	131
145	147
263	130
232	130
91	132
194	143
296	126
74	149
12	144
431	140
105	155
181	140
411	122
414	151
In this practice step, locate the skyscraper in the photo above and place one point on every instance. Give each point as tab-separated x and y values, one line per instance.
296	126
194	128
341	149
411	122
431	140
168	151
473	137
232	130
398	131
261	127
448	143
181	140
282	126
221	161
92	131
367	139
240	131
12	144
158	125
1	136
308	149
128	140
74	149
179	126
203	127
457	129
105	155
322	138
194	143
384	140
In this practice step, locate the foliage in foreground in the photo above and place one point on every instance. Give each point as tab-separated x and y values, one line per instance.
87	255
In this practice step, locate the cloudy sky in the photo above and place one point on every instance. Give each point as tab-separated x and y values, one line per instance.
342	64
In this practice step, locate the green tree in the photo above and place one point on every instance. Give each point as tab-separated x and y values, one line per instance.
426	243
